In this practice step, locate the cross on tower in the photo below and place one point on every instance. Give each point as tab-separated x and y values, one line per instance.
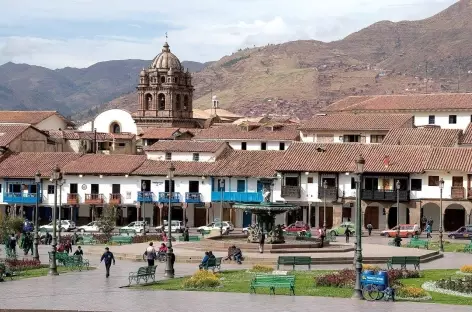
166	36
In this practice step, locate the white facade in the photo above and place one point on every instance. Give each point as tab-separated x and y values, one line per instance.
367	137
104	122
462	119
182	156
432	192
252	145
53	122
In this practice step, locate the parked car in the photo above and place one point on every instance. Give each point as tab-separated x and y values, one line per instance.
227	226
463	232
406	230
297	227
175	226
341	229
138	226
91	227
64	225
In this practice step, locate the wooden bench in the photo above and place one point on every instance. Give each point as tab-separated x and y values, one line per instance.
144	273
468	248
272	282
403	262
191	238
293	261
127	232
212	264
417	243
121	239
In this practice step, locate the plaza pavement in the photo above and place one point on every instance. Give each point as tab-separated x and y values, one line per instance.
91	291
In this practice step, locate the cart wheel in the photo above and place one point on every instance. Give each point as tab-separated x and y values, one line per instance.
370	292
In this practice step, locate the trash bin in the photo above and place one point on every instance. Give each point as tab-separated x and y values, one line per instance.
384	276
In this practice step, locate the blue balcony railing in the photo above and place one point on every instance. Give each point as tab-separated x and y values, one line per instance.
192	197
164	197
145	197
21	198
237	197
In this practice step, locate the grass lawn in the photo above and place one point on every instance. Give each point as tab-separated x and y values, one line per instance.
448	246
44	271
238	282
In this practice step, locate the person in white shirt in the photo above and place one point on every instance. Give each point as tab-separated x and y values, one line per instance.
150	254
416	229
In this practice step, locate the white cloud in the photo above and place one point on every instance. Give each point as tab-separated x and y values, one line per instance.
205	29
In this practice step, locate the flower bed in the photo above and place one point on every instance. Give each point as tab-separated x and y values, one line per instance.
466	269
347	277
259	268
22	265
433	286
460	285
411	293
202	279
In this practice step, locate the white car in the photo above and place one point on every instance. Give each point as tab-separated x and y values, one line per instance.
175	227
227	226
65	226
138	226
91	227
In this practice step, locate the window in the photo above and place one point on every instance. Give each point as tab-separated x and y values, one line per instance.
416	184
433	181
310	179
431	120
351	138
168	156
121	144
291	181
353	183
196	156
470	118
50	189
0	188
376	138
452	119
282	146
243	146
263	146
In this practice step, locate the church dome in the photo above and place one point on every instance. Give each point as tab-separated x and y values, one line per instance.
166	60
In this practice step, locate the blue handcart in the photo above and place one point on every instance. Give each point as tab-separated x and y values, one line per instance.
376	286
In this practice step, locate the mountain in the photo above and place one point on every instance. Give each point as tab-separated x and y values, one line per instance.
298	78
70	90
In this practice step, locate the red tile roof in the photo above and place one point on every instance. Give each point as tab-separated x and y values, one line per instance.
185	146
424	137
261	164
9	132
408	103
25	165
88	135
240	132
345	103
394	158
450	159
182	168
105	164
467	137
28	117
358	122
159	133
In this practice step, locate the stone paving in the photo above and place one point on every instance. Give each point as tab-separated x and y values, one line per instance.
90	290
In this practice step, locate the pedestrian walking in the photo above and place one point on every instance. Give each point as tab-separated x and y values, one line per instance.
369	228
261	242
424	220
12	244
79	252
108	258
428	230
347	233
150	254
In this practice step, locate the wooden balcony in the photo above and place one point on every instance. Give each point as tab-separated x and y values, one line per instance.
385	195
458	192
291	191
331	193
94	199
114	199
72	199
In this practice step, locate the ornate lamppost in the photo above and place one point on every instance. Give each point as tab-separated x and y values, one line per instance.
143	188
221	183
56	175
37	180
325	186
397	186
60	183
360	162
169	272
441	187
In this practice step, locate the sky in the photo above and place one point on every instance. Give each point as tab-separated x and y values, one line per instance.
79	33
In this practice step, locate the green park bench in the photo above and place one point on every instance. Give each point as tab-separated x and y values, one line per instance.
119	239
293	261
191	238
7	272
71	261
272	282
212	264
417	243
468	248
205	232
403	262
127	232
87	240
144	273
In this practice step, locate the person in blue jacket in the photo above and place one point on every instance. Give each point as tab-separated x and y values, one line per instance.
109	258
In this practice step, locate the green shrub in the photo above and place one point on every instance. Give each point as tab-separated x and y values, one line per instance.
410	292
202	279
259	268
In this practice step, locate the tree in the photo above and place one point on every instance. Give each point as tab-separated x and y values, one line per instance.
108	220
9	225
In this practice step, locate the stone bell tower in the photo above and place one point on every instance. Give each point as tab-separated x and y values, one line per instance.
165	94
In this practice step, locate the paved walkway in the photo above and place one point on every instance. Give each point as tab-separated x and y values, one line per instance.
90	290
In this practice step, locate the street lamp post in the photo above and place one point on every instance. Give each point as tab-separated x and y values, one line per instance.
397	186
325	186
169	272
222	190
37	180
56	175
60	183
360	162
143	187
441	187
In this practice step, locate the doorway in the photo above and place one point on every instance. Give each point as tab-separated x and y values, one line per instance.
247	218
199	218
194	186
329	217
241	186
371	216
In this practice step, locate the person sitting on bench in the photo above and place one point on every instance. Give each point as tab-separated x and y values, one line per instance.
204	260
